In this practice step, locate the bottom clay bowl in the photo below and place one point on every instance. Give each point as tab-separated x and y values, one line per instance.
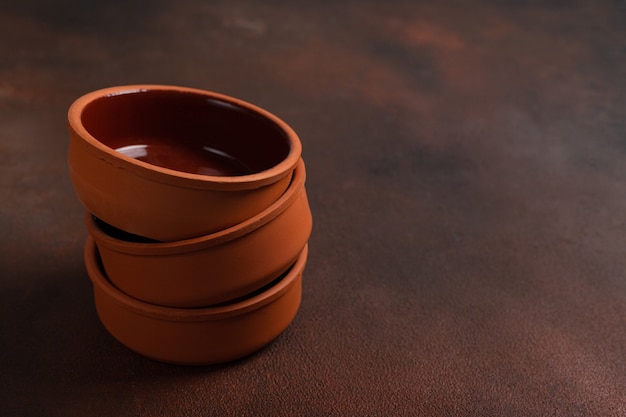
198	336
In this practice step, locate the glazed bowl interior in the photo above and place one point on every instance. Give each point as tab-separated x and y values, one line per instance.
187	131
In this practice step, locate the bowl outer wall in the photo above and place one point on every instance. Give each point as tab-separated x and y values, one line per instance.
161	211
202	273
196	336
216	274
286	199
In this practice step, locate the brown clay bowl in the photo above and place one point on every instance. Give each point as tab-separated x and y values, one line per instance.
197	336
211	269
172	163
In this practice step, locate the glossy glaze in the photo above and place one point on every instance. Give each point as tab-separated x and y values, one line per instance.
186	131
202	160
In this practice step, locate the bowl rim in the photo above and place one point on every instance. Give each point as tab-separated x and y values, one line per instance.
216	312
294	191
172	176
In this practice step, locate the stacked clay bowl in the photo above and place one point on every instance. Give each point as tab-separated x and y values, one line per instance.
198	219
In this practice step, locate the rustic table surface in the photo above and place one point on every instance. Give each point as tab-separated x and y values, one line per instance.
467	176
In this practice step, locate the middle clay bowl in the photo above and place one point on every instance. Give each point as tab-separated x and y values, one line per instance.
172	163
197	336
211	269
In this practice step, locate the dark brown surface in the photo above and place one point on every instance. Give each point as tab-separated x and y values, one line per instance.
467	175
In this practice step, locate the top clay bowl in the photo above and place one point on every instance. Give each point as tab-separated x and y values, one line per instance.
172	163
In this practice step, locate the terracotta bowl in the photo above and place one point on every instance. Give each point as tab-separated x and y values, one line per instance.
172	163
197	336
211	269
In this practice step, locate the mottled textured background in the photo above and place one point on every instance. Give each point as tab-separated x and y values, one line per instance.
467	176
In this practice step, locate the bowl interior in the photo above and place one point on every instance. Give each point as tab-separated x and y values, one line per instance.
187	131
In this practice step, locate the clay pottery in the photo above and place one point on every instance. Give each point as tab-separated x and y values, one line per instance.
171	163
196	336
210	269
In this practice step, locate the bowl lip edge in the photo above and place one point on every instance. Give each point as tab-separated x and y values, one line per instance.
171	176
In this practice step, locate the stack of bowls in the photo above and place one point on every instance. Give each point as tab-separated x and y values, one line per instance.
198	219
